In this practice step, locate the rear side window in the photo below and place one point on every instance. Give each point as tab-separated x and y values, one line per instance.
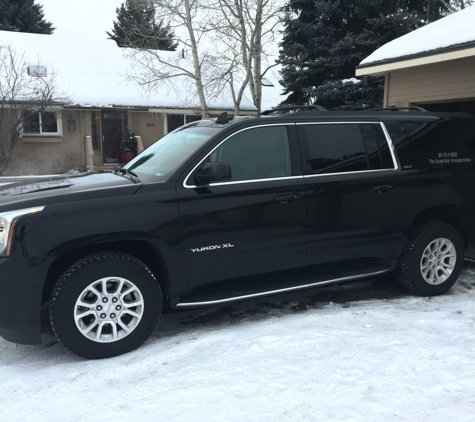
401	134
377	147
342	148
335	148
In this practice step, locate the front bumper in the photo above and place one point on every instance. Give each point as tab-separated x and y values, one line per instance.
21	334
21	287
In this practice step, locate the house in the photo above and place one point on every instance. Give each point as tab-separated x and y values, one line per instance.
86	132
432	67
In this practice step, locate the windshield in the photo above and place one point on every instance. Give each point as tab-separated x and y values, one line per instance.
171	151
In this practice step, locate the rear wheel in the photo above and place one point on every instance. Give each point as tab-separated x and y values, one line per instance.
105	305
432	259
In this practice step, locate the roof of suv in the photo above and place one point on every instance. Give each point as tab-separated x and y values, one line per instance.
304	112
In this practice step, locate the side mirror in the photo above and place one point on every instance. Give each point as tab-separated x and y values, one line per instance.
213	172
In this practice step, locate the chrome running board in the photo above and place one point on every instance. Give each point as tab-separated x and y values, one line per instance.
286	290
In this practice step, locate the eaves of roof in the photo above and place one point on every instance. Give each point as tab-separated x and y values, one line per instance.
156	109
381	67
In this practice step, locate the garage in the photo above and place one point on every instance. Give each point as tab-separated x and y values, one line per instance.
432	67
452	106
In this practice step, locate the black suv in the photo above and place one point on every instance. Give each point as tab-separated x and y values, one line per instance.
230	209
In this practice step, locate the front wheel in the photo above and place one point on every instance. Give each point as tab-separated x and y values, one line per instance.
105	305
432	259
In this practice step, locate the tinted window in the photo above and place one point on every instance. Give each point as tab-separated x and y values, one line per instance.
258	153
442	142
408	154
379	156
335	148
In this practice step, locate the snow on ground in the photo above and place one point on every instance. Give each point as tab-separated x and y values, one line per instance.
458	28
351	353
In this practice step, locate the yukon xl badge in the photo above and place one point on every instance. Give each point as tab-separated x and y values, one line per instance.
212	247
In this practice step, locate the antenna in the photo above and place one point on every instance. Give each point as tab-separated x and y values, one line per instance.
223	118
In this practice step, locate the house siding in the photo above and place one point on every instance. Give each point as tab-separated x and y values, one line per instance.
148	125
46	155
67	151
445	81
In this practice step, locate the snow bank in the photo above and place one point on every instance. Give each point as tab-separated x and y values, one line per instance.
458	28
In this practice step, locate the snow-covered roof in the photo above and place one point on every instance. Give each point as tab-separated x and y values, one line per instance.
454	30
91	70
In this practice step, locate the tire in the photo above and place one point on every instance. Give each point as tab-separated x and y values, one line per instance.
415	270
105	305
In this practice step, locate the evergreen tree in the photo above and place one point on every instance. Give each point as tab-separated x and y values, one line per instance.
23	16
324	40
136	27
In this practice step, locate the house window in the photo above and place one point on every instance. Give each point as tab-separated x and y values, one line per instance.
174	121
41	123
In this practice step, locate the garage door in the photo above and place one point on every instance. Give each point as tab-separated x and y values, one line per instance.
455	106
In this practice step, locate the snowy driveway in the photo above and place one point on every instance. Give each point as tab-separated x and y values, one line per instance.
366	352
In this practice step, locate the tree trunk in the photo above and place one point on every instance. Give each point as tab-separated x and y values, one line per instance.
196	62
257	58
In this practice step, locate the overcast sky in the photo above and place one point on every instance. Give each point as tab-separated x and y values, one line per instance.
87	15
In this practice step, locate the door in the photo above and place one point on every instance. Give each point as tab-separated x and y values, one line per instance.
113	124
254	223
353	193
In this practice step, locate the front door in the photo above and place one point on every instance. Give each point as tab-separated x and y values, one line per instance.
113	125
254	223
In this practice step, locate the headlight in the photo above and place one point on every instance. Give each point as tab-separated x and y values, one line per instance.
8	221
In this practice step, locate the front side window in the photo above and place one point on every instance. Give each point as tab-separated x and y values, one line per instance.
41	123
258	153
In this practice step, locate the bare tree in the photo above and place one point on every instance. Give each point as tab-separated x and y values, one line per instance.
191	68
248	31
220	43
26	92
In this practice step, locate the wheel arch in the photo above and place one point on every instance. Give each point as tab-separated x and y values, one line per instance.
150	255
455	215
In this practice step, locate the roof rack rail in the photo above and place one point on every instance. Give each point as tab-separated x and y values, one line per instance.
394	108
223	118
294	107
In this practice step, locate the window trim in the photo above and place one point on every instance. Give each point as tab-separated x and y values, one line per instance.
57	134
238	181
388	140
396	163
